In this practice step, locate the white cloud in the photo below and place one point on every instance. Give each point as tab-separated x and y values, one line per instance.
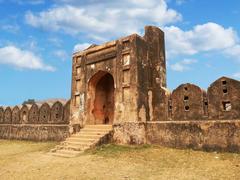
233	51
105	18
237	75
60	54
80	47
55	41
32	2
182	65
22	59
10	28
202	38
180	2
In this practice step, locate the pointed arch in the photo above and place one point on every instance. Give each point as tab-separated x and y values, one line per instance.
44	113
101	98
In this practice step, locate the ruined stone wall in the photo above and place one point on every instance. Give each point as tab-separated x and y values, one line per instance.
220	135
45	121
7	115
199	119
186	103
116	59
1	114
151	64
142	109
221	101
224	99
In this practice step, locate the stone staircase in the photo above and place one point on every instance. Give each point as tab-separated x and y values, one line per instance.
88	137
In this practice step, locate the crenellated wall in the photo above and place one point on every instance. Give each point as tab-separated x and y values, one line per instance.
138	104
187	103
192	118
199	119
220	102
123	83
224	99
38	121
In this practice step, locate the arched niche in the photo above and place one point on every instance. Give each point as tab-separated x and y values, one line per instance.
56	113
7	115
16	115
1	115
100	99
66	116
44	113
24	114
33	116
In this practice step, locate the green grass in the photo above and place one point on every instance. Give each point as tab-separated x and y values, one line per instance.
29	160
110	150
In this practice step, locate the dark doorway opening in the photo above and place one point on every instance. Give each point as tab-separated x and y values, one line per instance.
102	91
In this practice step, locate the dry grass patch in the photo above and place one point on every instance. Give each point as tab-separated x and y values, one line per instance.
28	160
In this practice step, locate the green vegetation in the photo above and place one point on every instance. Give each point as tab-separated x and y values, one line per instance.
110	150
29	160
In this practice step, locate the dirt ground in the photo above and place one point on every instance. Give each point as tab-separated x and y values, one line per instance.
29	160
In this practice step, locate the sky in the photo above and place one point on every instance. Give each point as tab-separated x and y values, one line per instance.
38	37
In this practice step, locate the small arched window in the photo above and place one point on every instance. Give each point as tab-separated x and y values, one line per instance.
24	116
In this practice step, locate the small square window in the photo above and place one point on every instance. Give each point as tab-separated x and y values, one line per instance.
126	76
224	82
126	94
78	85
227	106
186	98
126	44
225	90
186	108
78	70
77	100
126	59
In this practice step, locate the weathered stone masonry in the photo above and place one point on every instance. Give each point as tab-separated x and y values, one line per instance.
38	121
136	67
123	83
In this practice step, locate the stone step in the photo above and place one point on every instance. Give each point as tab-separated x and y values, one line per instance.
68	147
95	137
70	152
89	135
75	147
81	144
80	139
62	155
98	127
87	138
95	130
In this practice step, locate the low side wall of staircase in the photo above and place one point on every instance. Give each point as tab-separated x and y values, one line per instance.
88	137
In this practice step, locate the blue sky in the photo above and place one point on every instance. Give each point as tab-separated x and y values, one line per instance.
37	38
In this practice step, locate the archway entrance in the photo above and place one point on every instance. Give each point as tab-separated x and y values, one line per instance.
101	94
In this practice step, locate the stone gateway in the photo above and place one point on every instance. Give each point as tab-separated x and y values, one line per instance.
119	94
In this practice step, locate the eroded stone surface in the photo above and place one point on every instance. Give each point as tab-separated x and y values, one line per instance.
137	67
206	135
123	83
129	133
37	121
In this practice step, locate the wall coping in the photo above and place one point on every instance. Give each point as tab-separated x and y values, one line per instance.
36	125
193	121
